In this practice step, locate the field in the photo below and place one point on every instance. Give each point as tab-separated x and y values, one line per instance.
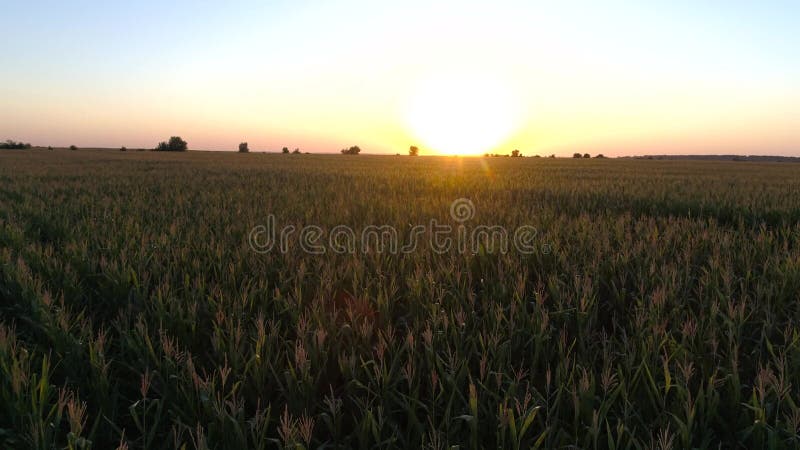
658	305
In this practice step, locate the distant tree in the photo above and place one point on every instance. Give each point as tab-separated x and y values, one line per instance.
552	156
599	155
13	145
354	150
413	151
586	155
296	151
123	149
175	144
577	155
516	154
243	148
285	150
49	147
72	147
536	156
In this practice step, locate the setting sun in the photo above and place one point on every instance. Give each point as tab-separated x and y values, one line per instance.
461	114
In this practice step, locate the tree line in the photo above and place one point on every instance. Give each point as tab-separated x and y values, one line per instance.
177	144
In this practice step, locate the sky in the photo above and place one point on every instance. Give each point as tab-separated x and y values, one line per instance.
619	78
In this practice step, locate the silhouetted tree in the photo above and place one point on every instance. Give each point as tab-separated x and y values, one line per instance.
296	151
516	154
354	150
13	145
123	149
413	151
599	155
49	147
586	155
285	150
175	144
72	147
577	155
243	148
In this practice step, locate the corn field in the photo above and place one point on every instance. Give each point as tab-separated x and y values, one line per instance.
661	309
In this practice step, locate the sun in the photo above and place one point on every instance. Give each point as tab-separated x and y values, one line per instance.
461	113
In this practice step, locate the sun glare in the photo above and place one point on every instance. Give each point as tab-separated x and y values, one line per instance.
461	114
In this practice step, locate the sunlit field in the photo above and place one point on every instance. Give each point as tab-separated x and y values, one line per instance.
659	309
